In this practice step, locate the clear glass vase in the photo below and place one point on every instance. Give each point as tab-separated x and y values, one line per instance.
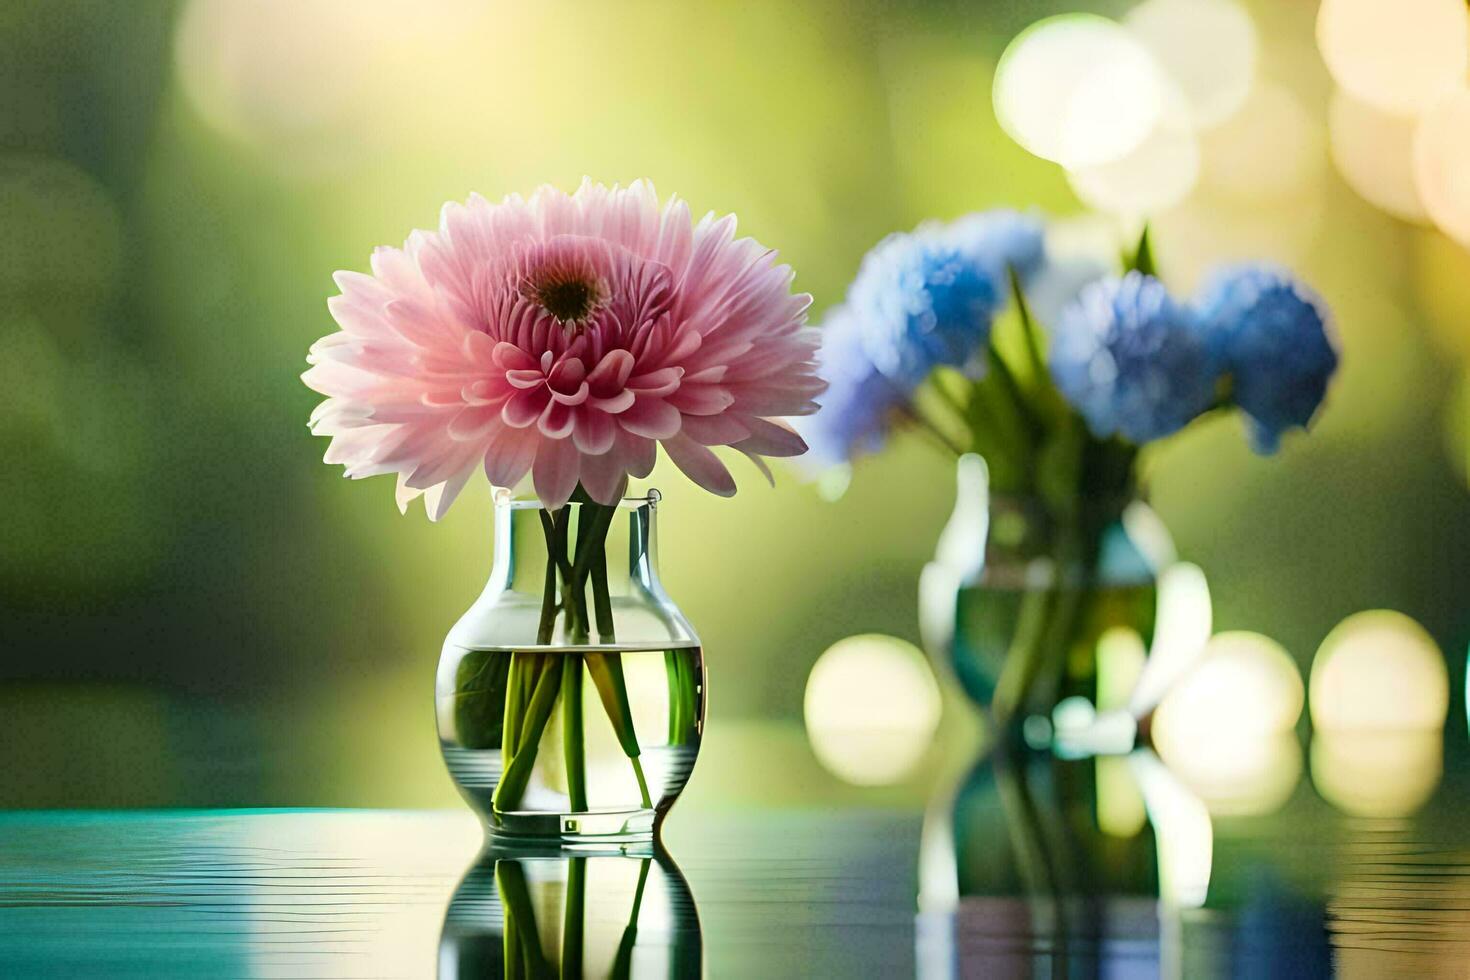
559	913
570	697
1023	594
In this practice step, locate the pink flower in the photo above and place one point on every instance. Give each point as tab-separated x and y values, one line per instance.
564	336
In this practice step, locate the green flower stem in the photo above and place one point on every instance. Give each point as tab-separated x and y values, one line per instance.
997	429
510	943
601	596
516	692
547	626
515	777
925	425
681	696
1030	426
623	963
607	668
1023	659
523	954
573	926
574	738
1029	329
536	680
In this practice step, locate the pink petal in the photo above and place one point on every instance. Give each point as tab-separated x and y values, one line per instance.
473	423
715	430
771	439
640	453
760	464
594	431
611	373
524	407
651	418
509	456
556	422
658	383
441	463
568	373
701	399
700	465
437	499
575	398
617	403
555	471
483	392
511	358
605	477
529	378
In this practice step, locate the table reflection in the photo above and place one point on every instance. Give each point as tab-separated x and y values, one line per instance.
1121	866
552	913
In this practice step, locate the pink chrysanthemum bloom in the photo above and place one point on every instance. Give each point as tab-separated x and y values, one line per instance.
564	336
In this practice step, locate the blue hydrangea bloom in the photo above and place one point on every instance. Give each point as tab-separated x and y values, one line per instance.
1270	334
1001	238
1131	360
857	409
921	302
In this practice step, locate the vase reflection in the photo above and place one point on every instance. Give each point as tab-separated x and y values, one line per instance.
1036	866
561	913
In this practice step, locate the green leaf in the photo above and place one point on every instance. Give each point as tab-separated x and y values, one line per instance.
1142	259
607	675
479	698
517	774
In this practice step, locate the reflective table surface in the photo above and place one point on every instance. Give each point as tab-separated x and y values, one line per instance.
1282	860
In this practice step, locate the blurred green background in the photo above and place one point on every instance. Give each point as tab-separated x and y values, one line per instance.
197	611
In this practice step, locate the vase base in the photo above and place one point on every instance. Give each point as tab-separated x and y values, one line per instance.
611	828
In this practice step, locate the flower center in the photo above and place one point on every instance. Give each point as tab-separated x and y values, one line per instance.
571	299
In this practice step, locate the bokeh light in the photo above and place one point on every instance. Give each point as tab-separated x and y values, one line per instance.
314	84
1208	48
1245	684
1399	56
871	708
1374	153
1156	175
1078	89
1226	727
1268	150
1442	164
1379	671
1377	773
1249	776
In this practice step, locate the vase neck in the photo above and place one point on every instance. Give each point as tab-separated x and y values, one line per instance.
529	537
584	575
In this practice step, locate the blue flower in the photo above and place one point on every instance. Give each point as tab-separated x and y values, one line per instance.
1270	334
1000	239
1131	360
857	409
921	302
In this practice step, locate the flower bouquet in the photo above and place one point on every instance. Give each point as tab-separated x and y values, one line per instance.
1057	373
560	340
